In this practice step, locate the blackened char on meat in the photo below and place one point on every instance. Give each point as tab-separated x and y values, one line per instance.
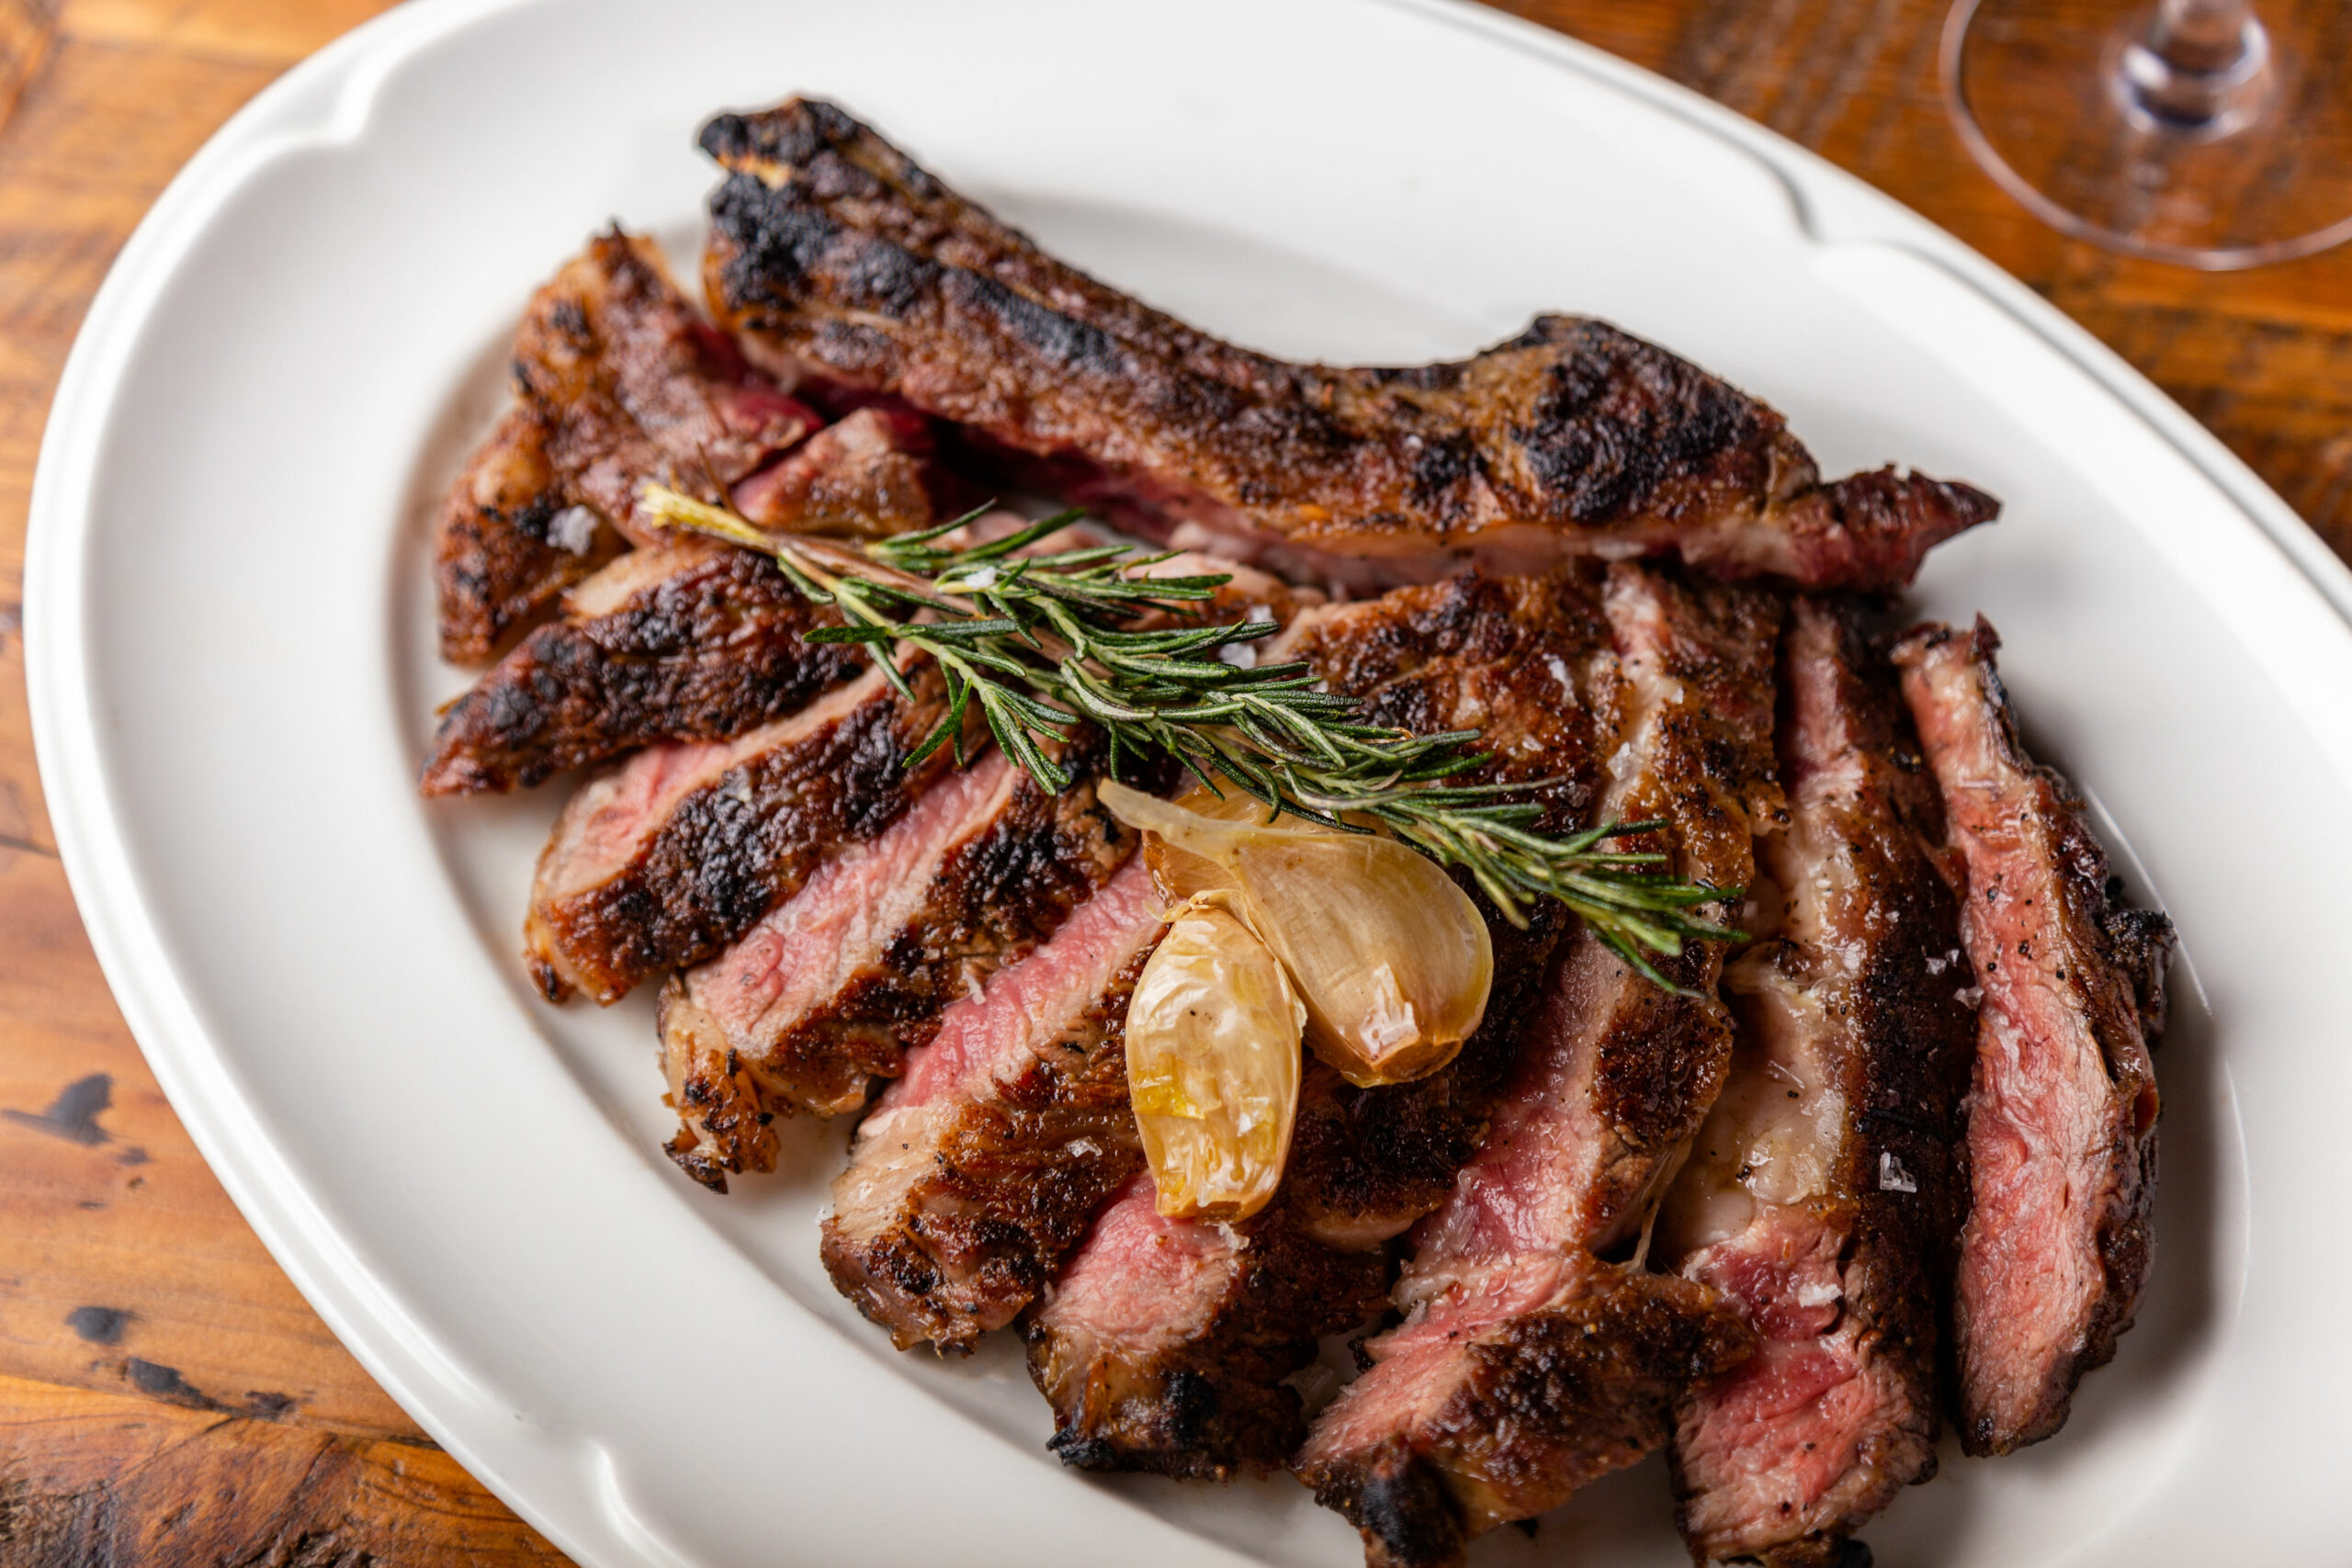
833	987
1530	1361
617	381
2062	1130
688	642
1165	1344
830	249
1824	1194
663	860
977	1172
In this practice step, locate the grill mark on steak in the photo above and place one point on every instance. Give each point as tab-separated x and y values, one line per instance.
1528	1363
977	1171
687	641
1824	1194
2062	1132
1166	1343
838	982
617	381
660	862
832	249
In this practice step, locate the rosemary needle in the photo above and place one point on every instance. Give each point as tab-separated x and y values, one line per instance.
1045	641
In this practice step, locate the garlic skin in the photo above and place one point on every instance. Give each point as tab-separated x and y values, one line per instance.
1213	1064
1390	957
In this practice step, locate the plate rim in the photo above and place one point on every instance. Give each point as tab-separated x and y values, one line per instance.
328	98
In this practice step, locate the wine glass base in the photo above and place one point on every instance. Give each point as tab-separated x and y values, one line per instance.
2052	97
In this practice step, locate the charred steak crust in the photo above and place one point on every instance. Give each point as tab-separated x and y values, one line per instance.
995	894
724	855
971	1183
831	248
1208	1402
705	644
617	381
1851	992
2061	1134
1554	1399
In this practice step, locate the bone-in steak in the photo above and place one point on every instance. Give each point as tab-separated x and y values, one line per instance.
976	1173
617	381
1824	1195
667	858
830	249
834	987
2062	1132
1529	1363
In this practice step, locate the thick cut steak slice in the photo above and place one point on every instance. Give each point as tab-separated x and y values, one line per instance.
2062	1130
617	381
867	477
1154	1366
1528	1364
830	249
1824	1195
1164	1345
667	858
688	642
833	987
976	1173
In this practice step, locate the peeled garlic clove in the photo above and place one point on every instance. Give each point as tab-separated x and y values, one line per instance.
1390	957
1180	873
1213	1064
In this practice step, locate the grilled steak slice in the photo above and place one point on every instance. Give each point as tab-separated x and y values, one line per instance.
1164	1345
1823	1196
688	642
832	249
667	858
617	381
830	989
2062	1132
1528	1363
976	1173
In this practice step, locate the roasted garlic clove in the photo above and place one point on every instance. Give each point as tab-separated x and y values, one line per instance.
1388	955
1213	1064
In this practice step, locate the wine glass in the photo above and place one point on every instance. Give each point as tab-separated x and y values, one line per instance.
2214	133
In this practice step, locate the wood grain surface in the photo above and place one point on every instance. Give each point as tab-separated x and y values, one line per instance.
166	1396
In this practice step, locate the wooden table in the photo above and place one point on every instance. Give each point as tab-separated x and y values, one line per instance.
166	1396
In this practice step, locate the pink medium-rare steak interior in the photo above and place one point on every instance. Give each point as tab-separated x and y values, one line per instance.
832	250
664	861
977	1172
2061	1143
1823	1197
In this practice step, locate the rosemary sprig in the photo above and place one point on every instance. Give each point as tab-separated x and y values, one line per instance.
1043	641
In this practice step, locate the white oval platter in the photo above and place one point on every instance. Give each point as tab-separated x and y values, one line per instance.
233	683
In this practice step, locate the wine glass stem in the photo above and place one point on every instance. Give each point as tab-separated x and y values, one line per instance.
2203	64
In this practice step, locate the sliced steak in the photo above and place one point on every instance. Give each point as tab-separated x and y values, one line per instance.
665	859
1824	1194
830	249
1164	1345
977	1172
617	381
694	640
2062	1132
833	987
869	476
1529	1362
